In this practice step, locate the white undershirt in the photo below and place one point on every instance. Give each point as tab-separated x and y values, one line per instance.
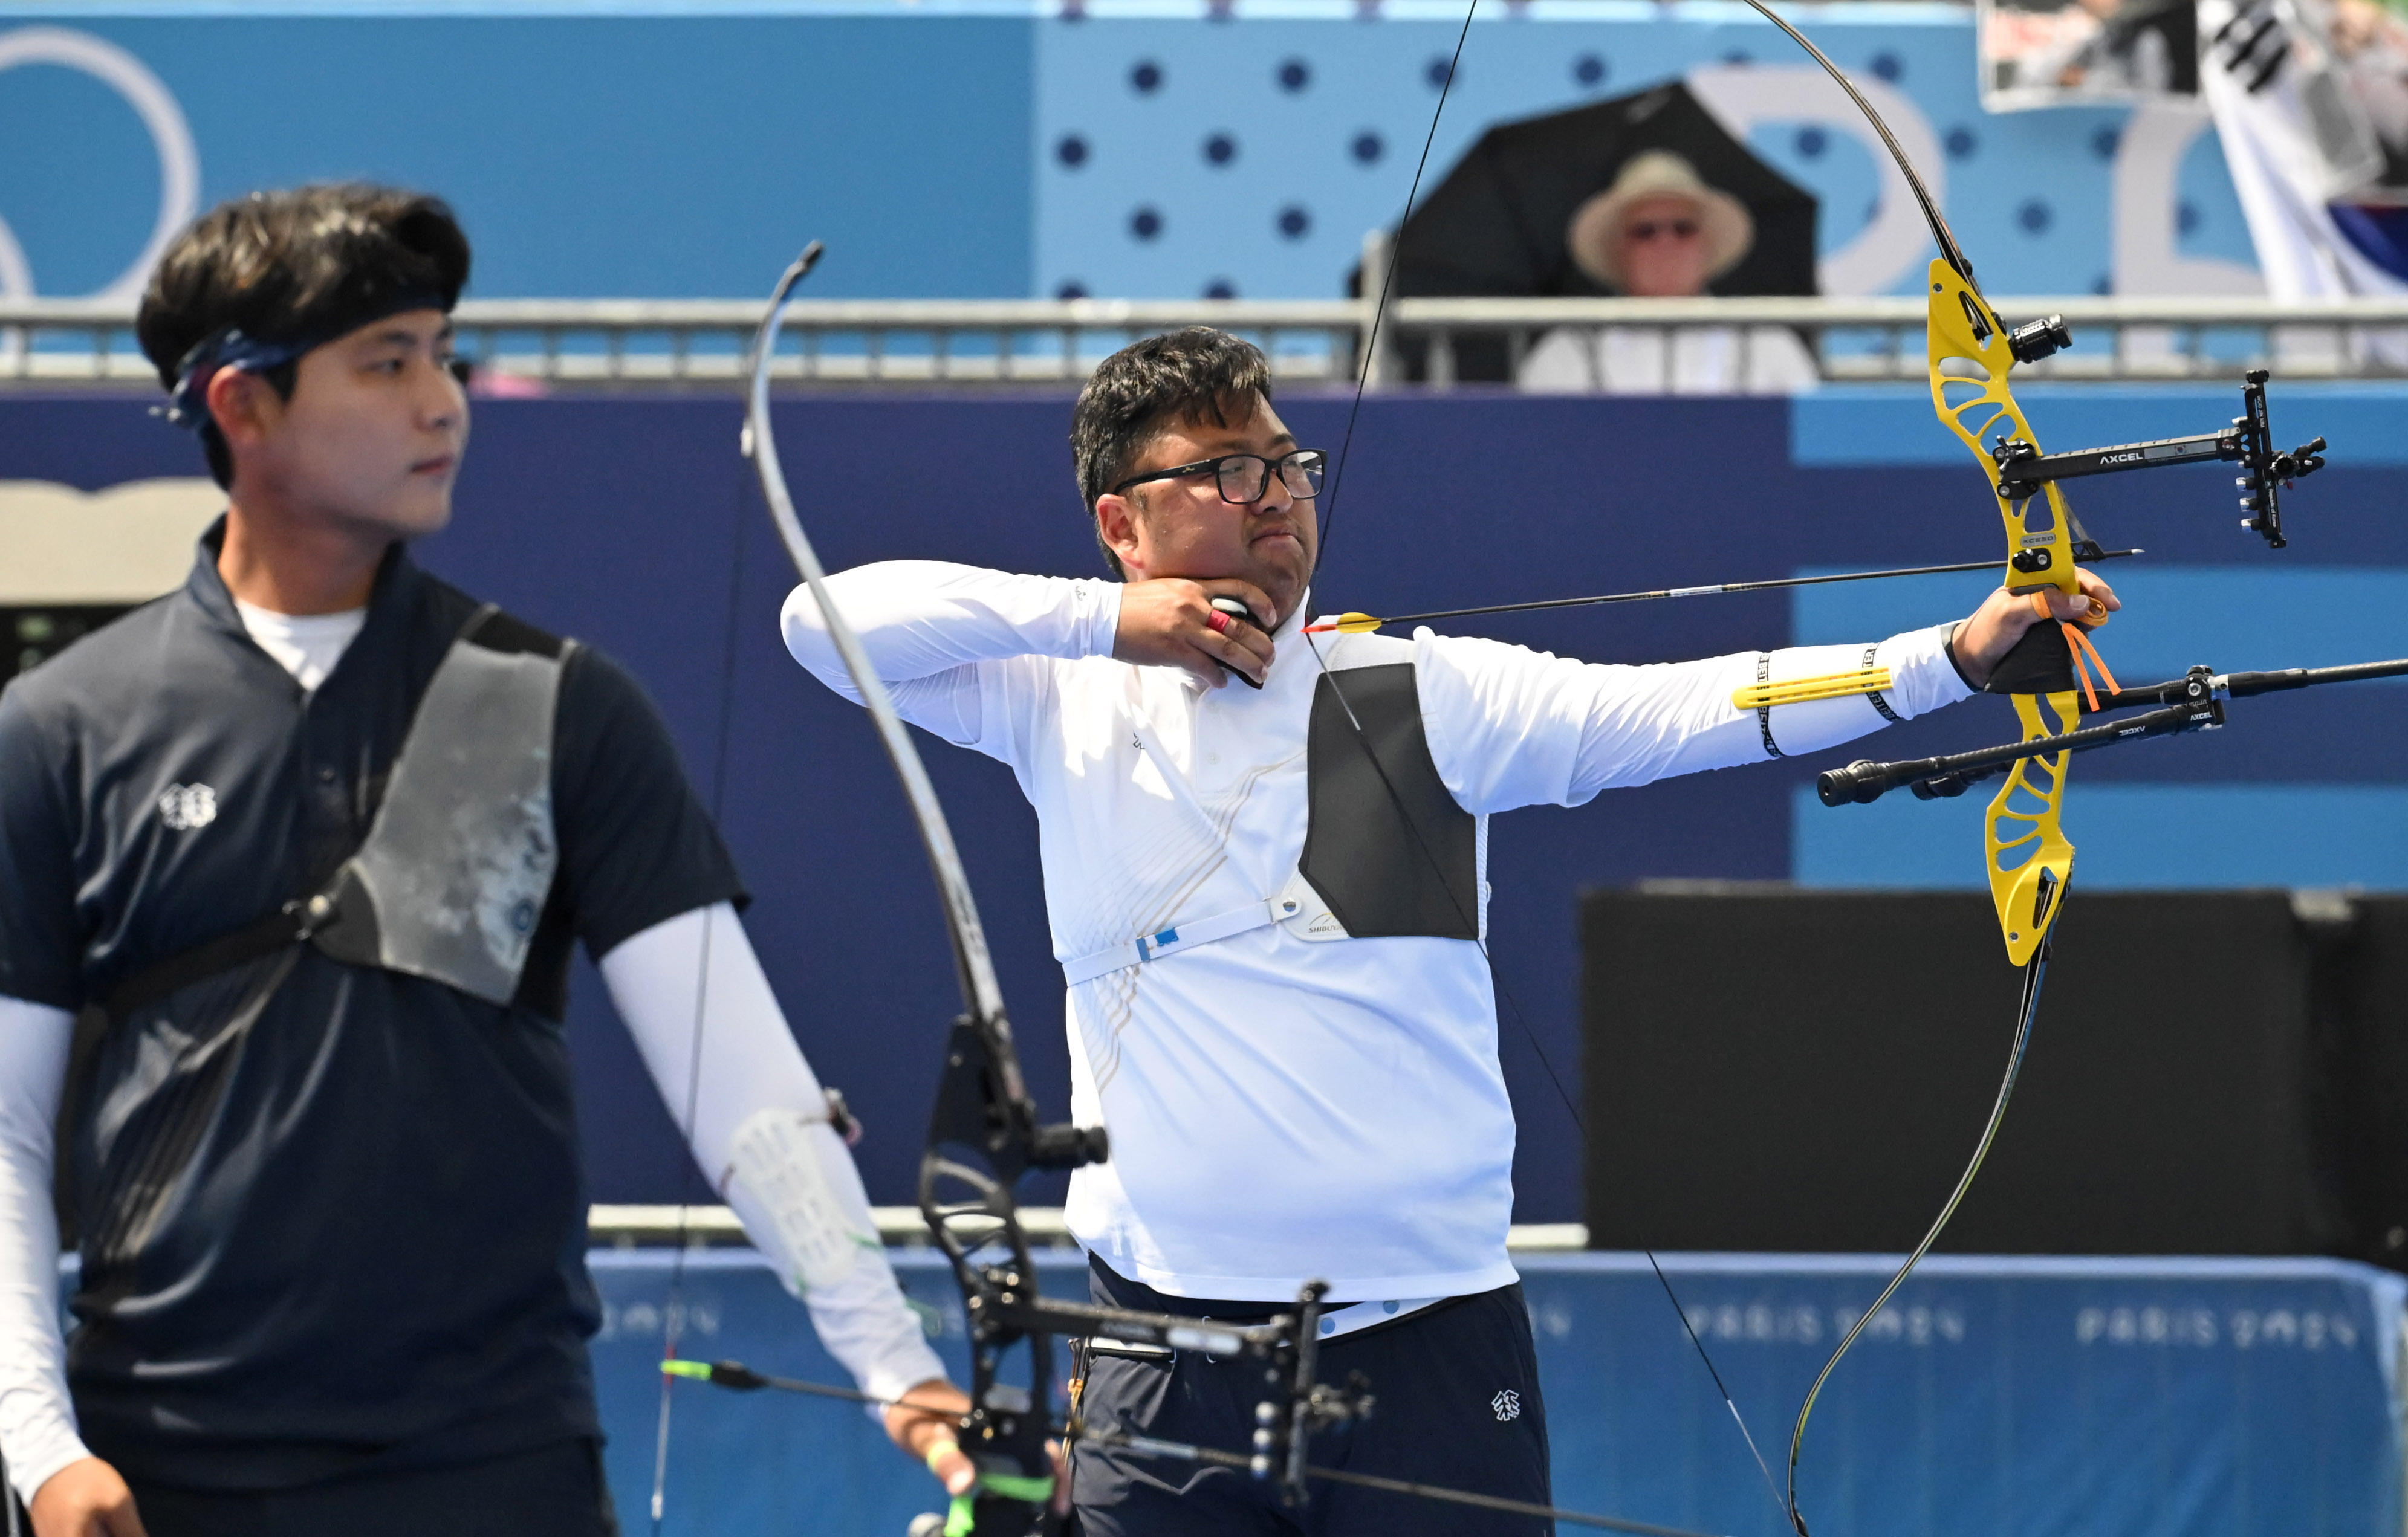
751	1063
1283	1105
308	645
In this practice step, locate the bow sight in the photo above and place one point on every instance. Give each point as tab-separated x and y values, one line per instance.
2249	442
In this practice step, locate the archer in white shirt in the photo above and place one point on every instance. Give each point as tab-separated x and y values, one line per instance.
1288	1096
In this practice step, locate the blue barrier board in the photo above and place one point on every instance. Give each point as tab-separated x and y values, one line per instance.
2076	1397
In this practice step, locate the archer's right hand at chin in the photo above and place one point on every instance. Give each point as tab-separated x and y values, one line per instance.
1169	622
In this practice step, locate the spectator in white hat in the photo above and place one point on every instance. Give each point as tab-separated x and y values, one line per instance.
1661	232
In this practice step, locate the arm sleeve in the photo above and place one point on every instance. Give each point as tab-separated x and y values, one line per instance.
751	1063
1510	727
37	1424
934	630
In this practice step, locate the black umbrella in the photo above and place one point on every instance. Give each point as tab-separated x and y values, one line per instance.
1495	227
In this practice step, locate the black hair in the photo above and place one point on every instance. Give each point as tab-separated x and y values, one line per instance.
1196	373
301	266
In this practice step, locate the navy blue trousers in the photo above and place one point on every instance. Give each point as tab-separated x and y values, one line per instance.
1457	1404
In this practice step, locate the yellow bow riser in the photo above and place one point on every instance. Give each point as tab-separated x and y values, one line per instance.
2029	861
2029	857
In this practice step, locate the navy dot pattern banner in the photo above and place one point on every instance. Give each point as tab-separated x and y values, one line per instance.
1248	156
994	149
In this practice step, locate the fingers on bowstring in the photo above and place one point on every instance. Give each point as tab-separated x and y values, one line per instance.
1236	643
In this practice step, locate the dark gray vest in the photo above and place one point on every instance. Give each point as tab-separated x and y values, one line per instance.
448	884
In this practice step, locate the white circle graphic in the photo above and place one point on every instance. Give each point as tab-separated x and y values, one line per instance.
171	136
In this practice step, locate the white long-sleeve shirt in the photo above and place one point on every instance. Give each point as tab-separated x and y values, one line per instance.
750	1064
1283	1107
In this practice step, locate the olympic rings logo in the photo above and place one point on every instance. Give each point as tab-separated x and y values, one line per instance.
171	136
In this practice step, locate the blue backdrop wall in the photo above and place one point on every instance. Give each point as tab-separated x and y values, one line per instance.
632	523
1007	148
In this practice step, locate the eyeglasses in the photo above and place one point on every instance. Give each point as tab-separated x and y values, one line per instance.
1244	478
1679	229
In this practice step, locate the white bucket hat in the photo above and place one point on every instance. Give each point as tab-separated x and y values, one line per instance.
1730	229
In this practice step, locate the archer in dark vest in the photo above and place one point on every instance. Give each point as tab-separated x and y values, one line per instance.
296	858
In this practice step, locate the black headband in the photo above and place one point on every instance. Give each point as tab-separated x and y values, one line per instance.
233	348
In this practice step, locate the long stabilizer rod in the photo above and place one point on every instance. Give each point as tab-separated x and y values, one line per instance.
2191	702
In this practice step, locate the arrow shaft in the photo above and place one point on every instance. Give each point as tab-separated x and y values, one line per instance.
1718	588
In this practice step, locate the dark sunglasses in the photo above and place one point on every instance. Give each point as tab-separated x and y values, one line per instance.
1678	229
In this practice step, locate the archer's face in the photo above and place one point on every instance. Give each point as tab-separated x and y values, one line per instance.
1182	528
371	438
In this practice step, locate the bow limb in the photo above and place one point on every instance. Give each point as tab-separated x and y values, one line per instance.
984	1101
973	964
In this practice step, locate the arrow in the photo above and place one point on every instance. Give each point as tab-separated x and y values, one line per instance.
1364	624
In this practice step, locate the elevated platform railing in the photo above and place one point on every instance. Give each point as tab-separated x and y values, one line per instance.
578	344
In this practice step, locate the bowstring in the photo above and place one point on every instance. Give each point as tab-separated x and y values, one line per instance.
1328	513
673	1315
1328	510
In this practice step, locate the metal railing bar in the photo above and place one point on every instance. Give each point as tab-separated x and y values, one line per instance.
652	341
1082	315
